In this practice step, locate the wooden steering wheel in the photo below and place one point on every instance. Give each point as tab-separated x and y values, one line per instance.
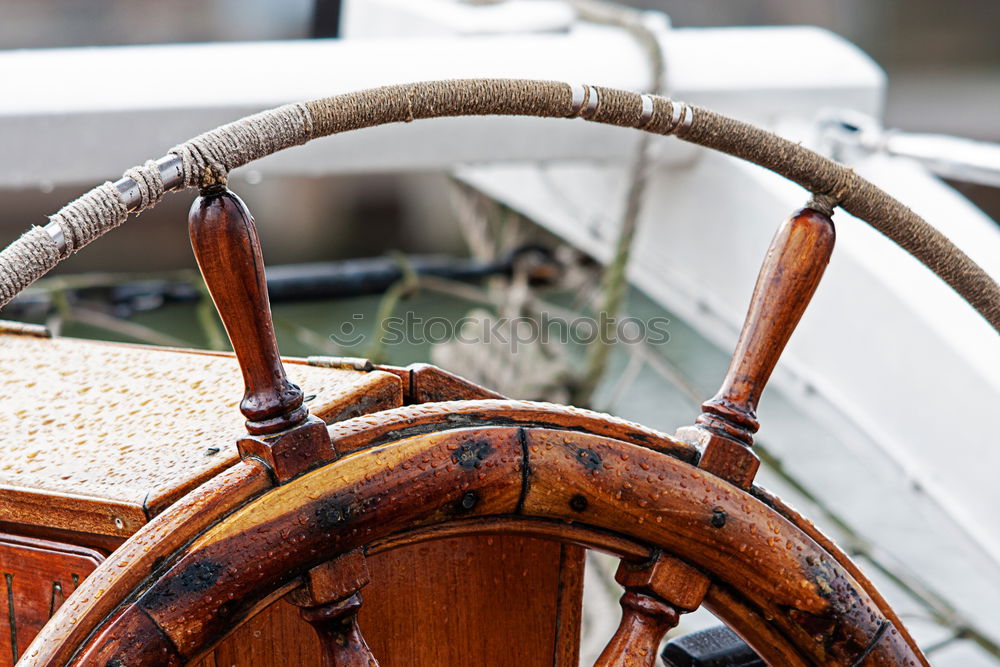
309	502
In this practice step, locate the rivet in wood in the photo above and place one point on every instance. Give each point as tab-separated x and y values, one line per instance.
469	500
578	503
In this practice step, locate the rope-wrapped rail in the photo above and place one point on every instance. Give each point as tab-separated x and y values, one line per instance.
208	158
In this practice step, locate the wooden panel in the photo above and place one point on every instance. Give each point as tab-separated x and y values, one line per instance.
165	533
499	600
115	433
468	601
38	575
104	544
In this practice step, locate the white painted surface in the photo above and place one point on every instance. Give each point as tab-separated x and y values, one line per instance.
63	120
436	18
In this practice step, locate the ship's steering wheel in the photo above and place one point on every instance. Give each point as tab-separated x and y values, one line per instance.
308	500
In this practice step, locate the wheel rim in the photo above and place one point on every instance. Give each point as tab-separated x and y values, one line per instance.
791	598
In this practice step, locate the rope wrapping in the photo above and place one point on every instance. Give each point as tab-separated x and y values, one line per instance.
91	216
26	260
208	158
150	183
837	184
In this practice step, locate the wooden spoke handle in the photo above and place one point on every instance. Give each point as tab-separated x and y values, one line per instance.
336	625
656	594
226	246
788	278
645	620
330	599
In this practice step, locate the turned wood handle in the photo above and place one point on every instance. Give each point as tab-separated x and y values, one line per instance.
226	246
788	278
645	620
336	625
656	594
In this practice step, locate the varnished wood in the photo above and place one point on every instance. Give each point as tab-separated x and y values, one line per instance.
574	534
117	518
277	637
292	452
484	477
226	246
645	620
810	529
666	577
782	571
36	577
336	625
569	605
149	485
614	495
768	641
789	276
504	603
332	581
426	383
539	586
126	430
657	592
102	544
447	594
430	417
722	456
136	636
144	553
329	600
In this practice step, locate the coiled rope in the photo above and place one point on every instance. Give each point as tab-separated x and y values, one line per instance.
208	158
